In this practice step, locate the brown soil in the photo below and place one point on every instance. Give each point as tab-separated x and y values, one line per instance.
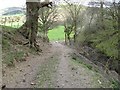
65	73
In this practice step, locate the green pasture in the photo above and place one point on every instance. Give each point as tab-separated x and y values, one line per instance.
12	24
56	33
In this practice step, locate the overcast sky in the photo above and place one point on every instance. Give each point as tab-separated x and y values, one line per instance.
21	3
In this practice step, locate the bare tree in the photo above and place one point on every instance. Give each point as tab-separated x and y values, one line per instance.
47	17
74	11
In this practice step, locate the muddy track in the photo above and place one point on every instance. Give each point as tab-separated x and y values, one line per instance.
55	68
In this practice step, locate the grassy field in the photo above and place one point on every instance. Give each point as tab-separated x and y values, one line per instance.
13	24
56	33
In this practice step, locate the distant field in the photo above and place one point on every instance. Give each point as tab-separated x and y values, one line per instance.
56	33
11	15
14	25
14	21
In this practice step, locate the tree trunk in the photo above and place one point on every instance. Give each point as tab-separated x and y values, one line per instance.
65	38
75	30
33	22
25	29
30	27
68	36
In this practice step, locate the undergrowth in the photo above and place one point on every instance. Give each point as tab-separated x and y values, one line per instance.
11	52
108	83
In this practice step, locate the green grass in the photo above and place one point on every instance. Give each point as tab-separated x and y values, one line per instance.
56	33
103	40
115	84
79	61
14	24
11	57
11	52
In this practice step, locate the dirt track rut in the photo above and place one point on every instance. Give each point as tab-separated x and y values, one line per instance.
40	71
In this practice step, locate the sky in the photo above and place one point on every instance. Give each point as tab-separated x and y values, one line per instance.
11	3
21	3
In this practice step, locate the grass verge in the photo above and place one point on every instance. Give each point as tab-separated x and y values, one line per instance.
98	78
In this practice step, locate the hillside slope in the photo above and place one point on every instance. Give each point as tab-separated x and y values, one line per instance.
12	11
